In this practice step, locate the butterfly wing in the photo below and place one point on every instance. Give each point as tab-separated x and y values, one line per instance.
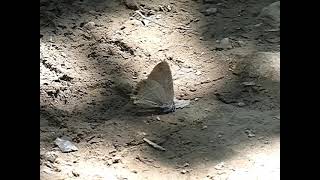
157	90
161	73
150	94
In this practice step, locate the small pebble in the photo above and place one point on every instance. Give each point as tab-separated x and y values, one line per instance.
169	8
251	83
135	171
219	166
204	82
277	117
257	25
210	11
50	156
184	171
116	160
241	43
250	134
241	104
158	118
131	4
75	174
158	16
89	25
225	43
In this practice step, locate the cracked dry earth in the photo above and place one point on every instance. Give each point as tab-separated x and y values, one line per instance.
224	57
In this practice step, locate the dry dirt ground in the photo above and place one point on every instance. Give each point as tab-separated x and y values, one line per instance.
224	56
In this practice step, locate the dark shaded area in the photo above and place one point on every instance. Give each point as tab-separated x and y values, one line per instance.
239	21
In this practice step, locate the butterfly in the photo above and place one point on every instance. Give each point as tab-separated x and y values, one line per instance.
156	92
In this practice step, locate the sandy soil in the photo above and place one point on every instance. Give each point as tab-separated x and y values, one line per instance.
94	52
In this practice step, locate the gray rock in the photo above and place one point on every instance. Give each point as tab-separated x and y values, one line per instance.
90	25
271	14
224	44
241	104
49	156
65	145
210	11
131	4
267	65
249	133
